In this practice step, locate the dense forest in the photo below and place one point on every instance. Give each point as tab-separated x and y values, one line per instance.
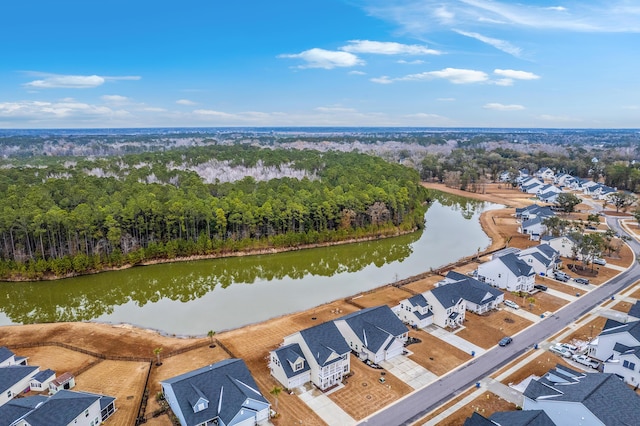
64	216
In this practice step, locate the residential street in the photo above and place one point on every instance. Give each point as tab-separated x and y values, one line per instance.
416	405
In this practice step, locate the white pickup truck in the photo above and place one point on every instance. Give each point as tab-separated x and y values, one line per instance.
585	360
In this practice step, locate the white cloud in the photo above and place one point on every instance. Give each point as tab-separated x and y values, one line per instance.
503	45
445	99
557	8
501	107
518	75
185	102
416	62
337	109
115	99
387	48
558	118
55	81
454	75
355	72
327	59
39	110
503	82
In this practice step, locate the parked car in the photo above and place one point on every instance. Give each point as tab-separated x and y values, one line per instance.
581	280
599	261
585	360
511	304
505	341
561	276
540	287
563	352
568	346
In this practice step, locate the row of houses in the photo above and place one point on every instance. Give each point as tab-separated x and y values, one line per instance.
565	397
62	407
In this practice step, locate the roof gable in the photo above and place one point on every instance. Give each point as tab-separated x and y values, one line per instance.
374	326
323	340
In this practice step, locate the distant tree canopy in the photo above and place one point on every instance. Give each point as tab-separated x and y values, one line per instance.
77	215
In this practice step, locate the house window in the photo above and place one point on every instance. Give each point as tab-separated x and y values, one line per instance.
299	366
9	394
629	365
86	413
499	275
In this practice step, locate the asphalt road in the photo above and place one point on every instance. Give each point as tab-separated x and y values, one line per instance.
416	405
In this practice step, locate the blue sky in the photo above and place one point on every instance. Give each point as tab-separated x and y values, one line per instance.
454	63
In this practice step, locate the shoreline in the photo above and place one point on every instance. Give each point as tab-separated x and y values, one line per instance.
497	241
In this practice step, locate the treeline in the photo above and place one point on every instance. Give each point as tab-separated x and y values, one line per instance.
62	219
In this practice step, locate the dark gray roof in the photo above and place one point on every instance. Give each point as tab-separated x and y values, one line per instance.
516	265
627	350
614	327
61	408
18	408
44	375
604	394
447	295
522	418
418	300
471	289
323	340
5	354
226	384
547	250
531	222
375	325
635	310
287	356
541	258
478	420
12	374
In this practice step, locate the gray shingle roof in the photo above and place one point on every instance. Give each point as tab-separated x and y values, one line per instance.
614	327
375	325
19	407
604	394
635	310
44	375
323	340
447	295
5	354
226	384
516	265
61	408
522	418
418	300
472	290
12	374
627	350
287	356
478	420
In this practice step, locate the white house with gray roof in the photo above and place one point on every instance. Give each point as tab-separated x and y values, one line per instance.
508	272
563	244
66	408
376	332
479	297
14	380
511	418
624	362
7	358
572	398
223	393
326	351
618	347
447	305
415	311
543	258
289	366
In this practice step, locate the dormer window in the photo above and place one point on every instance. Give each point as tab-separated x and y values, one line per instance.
201	404
298	365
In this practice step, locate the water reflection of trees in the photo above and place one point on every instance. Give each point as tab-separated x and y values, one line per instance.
466	206
88	297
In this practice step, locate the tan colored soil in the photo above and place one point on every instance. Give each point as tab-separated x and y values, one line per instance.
486	330
434	354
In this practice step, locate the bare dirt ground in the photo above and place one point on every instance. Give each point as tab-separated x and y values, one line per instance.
365	394
542	302
252	343
434	354
487	330
485	404
123	380
588	331
538	367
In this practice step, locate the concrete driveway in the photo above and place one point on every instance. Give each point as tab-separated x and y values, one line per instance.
409	371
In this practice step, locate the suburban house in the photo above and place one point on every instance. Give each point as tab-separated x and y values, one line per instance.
508	272
573	398
14	380
614	332
66	408
326	352
511	418
65	381
545	173
543	258
289	366
415	311
563	244
479	297
625	363
534	228
223	393
563	179
40	382
533	211
447	305
377	333
634	312
9	358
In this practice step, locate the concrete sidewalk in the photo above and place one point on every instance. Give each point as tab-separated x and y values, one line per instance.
409	371
522	312
561	295
325	408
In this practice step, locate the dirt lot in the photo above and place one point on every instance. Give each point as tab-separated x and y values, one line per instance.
485	404
390	296
424	284
434	354
538	367
123	380
58	359
486	330
364	394
588	331
542	302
